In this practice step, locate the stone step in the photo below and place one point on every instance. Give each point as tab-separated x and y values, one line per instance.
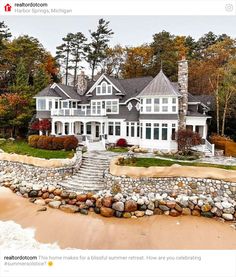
76	185
89	170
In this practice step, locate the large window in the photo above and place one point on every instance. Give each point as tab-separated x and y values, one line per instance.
156	105
103	89
148	130
96	107
114	128
110	128
112	106
41	104
156	131
164	131
117	128
132	129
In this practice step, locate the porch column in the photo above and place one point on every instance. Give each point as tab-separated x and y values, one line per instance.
52	127
194	128
204	132
63	128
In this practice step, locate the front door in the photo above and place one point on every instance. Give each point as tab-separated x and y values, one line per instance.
97	131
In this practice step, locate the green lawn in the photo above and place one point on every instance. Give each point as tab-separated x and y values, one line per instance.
119	150
22	147
147	162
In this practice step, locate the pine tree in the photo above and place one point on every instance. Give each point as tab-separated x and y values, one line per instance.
41	79
4	34
96	49
77	52
63	53
22	76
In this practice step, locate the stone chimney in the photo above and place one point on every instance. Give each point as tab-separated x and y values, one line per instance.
183	89
82	83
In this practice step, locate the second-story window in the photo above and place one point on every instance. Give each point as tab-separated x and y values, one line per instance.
103	89
42	104
112	106
148	105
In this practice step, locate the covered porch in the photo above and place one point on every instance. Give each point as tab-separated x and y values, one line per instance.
93	129
197	124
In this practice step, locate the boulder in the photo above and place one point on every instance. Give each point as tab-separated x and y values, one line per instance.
164	208
170	204
118	206
127	215
228	217
196	213
174	213
40	202
107	212
72	195
57	192
64	194
81	197
186	211
69	208
148	212
99	203
131	206
206	207
139	213
45	195
33	193
54	204
107	201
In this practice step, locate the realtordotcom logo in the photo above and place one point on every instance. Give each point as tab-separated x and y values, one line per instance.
7	8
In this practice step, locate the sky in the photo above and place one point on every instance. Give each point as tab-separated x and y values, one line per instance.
128	30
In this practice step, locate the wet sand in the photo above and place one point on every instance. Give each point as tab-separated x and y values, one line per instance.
96	232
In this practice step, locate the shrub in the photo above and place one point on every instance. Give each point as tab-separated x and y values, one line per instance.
121	142
40	143
58	143
53	143
33	140
187	139
70	143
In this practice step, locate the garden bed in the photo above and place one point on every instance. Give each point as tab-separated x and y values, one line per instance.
22	148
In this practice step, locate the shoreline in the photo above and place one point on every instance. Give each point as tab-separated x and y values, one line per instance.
95	232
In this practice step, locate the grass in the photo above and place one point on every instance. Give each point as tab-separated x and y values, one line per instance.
21	147
118	150
147	162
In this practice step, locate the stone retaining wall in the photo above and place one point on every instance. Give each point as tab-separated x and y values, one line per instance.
29	174
172	186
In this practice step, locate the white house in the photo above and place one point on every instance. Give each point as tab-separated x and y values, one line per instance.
146	111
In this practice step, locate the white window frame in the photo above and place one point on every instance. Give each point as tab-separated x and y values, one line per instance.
38	106
108	89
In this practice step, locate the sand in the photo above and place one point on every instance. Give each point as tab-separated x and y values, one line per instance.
95	232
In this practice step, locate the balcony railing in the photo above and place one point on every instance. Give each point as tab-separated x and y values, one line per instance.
77	112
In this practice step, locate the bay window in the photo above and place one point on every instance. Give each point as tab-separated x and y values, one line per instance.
41	104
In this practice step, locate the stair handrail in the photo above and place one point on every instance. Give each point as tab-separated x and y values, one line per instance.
210	147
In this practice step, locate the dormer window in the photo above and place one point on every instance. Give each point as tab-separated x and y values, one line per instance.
104	89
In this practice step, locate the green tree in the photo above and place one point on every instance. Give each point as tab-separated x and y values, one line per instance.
4	34
77	52
96	49
41	79
164	54
22	76
63	53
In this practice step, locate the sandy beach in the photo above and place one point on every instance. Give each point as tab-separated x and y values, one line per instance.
96	232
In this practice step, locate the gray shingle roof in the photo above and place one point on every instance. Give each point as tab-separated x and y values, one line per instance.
47	92
159	86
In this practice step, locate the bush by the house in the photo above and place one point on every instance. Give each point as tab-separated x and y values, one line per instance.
224	143
33	140
186	139
70	143
53	143
121	142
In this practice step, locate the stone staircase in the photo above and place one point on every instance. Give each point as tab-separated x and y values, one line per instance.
90	176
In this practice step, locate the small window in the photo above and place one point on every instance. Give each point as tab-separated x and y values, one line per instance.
148	109
173	100
164	100
42	104
173	109
173	132
104	88
165	108
148	101
50	105
65	105
98	90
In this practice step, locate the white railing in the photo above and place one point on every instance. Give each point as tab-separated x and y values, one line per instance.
77	112
210	147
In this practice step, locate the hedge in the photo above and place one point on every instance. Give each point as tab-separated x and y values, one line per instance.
53	143
225	144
